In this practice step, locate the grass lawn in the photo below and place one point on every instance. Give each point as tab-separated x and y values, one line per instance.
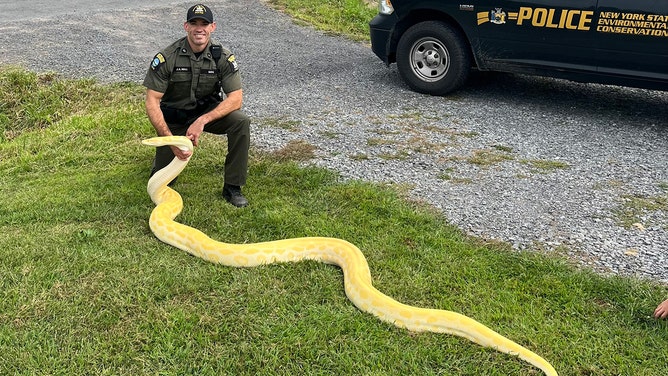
87	289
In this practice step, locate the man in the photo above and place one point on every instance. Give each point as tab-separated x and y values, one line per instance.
661	312
183	97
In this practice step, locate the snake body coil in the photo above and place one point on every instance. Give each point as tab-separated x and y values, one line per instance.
357	277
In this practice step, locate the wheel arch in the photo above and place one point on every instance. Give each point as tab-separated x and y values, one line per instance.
422	15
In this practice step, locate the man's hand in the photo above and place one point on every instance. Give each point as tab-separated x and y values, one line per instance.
231	103
661	312
180	154
196	129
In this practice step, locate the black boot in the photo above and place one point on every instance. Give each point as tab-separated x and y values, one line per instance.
232	194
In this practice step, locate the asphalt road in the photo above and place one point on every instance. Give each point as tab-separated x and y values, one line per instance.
340	96
46	9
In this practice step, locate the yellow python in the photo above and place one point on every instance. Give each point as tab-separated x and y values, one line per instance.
356	274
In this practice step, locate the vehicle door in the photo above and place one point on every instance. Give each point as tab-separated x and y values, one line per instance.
553	33
632	38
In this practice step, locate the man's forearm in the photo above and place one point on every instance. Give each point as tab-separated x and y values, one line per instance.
156	117
231	103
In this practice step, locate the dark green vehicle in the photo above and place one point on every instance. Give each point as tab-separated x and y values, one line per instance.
435	43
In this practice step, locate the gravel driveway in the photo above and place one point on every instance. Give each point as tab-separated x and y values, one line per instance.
539	163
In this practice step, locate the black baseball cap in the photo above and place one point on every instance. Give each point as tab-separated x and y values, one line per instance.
200	11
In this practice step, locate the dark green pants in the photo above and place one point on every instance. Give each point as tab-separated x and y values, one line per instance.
236	126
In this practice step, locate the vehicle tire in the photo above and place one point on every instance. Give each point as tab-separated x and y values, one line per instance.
433	58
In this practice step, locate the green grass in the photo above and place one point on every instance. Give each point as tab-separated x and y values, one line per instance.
85	288
634	208
37	101
347	17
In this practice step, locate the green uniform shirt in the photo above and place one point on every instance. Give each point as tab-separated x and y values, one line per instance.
184	78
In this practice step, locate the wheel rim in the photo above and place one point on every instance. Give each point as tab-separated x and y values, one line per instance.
429	59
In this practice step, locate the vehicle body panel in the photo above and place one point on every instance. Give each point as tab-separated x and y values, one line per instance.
622	42
632	38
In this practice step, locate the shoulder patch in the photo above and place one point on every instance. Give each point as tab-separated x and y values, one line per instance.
157	61
233	63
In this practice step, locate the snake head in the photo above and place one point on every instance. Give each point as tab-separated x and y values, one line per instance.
182	142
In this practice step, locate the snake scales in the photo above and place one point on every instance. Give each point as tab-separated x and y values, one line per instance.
357	277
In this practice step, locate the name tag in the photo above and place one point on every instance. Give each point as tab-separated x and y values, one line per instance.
209	71
182	69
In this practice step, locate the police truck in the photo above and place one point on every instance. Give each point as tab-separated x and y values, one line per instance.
436	43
